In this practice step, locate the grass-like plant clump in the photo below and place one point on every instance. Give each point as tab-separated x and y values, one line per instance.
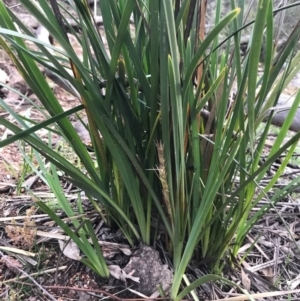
172	116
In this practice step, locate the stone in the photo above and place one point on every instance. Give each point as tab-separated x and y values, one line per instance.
146	265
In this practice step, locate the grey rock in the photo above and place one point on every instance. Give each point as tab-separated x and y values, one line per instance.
146	265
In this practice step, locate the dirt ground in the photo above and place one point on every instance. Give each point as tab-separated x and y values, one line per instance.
67	279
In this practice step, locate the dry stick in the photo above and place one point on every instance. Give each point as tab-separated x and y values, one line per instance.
17	279
58	17
91	290
236	298
109	294
27	275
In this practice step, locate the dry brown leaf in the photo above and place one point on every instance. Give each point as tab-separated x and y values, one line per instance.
294	282
11	263
269	274
119	273
245	280
4	78
262	240
126	251
70	250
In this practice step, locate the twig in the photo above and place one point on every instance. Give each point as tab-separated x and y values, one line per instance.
59	17
17	279
114	297
27	275
108	294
